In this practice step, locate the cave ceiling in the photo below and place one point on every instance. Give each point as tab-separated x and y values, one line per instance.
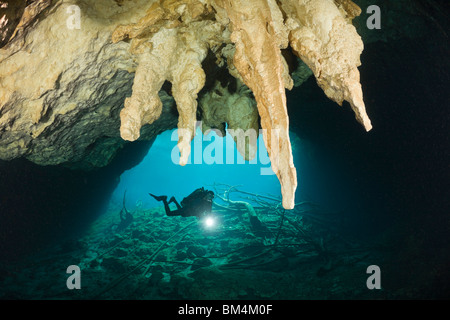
79	79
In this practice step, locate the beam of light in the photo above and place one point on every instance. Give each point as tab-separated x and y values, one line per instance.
209	222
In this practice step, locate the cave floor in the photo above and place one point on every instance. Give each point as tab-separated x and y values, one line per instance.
158	257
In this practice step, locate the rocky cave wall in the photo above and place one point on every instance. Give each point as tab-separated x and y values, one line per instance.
75	94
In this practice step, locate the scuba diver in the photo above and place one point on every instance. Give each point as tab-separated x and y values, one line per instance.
125	217
198	204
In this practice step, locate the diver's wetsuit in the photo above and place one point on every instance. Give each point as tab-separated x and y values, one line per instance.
198	203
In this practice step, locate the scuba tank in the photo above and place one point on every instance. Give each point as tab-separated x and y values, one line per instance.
196	195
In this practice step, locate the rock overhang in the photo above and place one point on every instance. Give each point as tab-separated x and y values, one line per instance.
65	89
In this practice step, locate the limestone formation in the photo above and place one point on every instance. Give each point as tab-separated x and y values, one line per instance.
61	89
331	47
258	33
173	50
68	94
10	17
238	110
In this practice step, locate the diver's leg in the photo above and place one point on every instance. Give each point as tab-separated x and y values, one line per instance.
160	198
171	213
176	202
167	208
166	205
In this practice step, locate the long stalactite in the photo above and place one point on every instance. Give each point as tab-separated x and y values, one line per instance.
114	68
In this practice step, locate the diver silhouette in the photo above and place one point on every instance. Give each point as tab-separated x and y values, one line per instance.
125	217
197	204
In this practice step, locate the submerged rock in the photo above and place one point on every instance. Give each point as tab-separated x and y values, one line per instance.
116	264
156	277
200	263
195	251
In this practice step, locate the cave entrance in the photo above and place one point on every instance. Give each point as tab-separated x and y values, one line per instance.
213	160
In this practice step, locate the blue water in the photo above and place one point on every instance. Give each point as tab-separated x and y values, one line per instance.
216	160
213	160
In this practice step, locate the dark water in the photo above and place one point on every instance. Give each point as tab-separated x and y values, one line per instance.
378	198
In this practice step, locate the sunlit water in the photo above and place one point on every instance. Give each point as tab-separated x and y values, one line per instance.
213	160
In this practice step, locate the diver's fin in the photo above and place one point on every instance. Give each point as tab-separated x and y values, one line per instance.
160	198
